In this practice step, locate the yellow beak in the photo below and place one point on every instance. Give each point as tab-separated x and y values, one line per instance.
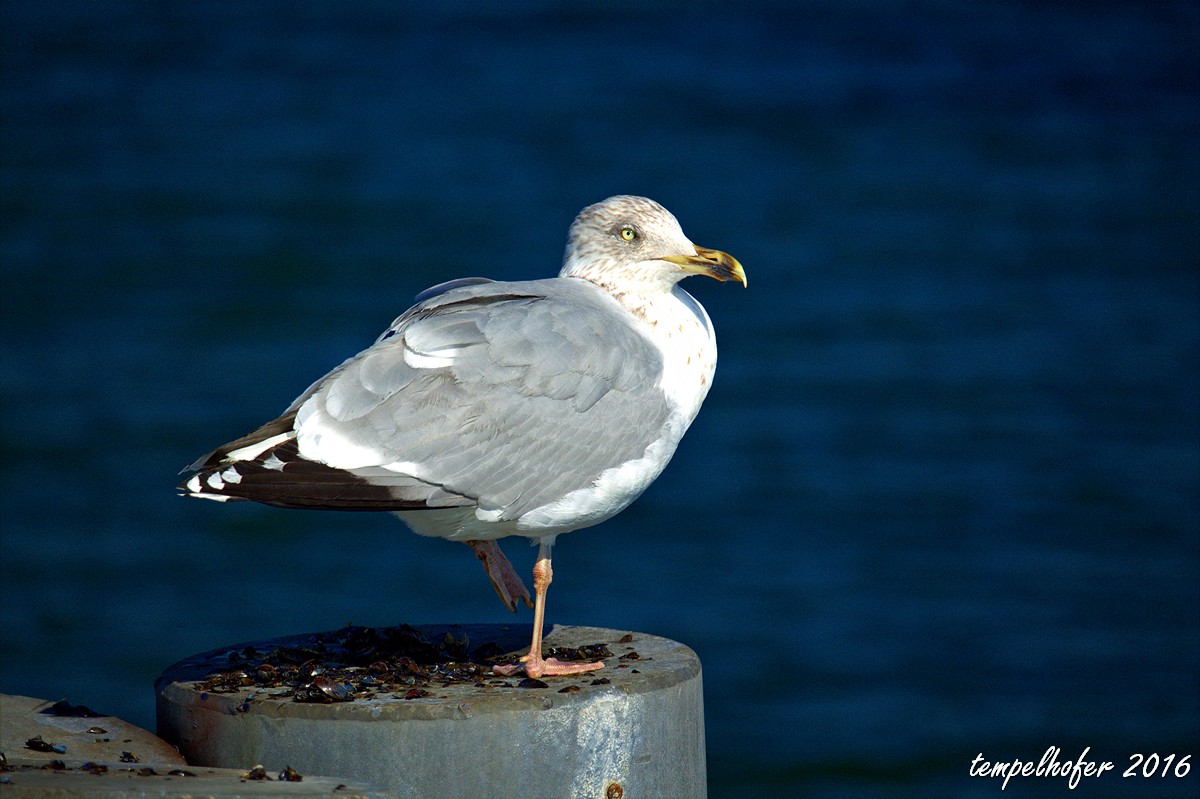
713	263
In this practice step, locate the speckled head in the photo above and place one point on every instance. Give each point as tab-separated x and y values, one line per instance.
631	243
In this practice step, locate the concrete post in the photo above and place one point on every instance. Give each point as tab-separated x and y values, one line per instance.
633	729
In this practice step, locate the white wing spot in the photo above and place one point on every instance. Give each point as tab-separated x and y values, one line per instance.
252	451
409	468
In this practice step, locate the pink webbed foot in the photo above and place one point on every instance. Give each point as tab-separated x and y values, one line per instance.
548	667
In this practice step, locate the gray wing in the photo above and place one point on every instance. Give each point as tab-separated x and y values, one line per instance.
502	395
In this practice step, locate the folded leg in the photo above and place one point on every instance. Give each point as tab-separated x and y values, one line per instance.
508	585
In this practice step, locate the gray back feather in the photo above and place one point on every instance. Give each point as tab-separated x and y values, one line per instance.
545	386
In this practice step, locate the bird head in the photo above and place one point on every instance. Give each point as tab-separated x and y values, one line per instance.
626	242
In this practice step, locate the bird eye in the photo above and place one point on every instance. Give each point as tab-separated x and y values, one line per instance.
628	232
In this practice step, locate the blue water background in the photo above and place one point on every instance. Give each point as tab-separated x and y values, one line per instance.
943	499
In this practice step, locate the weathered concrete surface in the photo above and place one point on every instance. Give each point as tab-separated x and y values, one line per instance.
23	718
637	724
97	760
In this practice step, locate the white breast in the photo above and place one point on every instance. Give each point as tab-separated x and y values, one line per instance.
684	335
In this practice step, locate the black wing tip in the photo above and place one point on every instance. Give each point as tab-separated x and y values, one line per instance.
294	482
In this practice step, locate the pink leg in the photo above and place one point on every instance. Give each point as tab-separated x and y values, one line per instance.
506	582
533	664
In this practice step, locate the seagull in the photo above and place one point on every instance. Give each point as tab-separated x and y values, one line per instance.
495	408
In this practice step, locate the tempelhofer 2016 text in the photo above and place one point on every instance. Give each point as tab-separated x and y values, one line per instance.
1146	766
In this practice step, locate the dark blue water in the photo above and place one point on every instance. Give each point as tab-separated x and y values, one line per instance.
944	498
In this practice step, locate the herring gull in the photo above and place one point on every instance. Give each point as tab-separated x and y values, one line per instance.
493	409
